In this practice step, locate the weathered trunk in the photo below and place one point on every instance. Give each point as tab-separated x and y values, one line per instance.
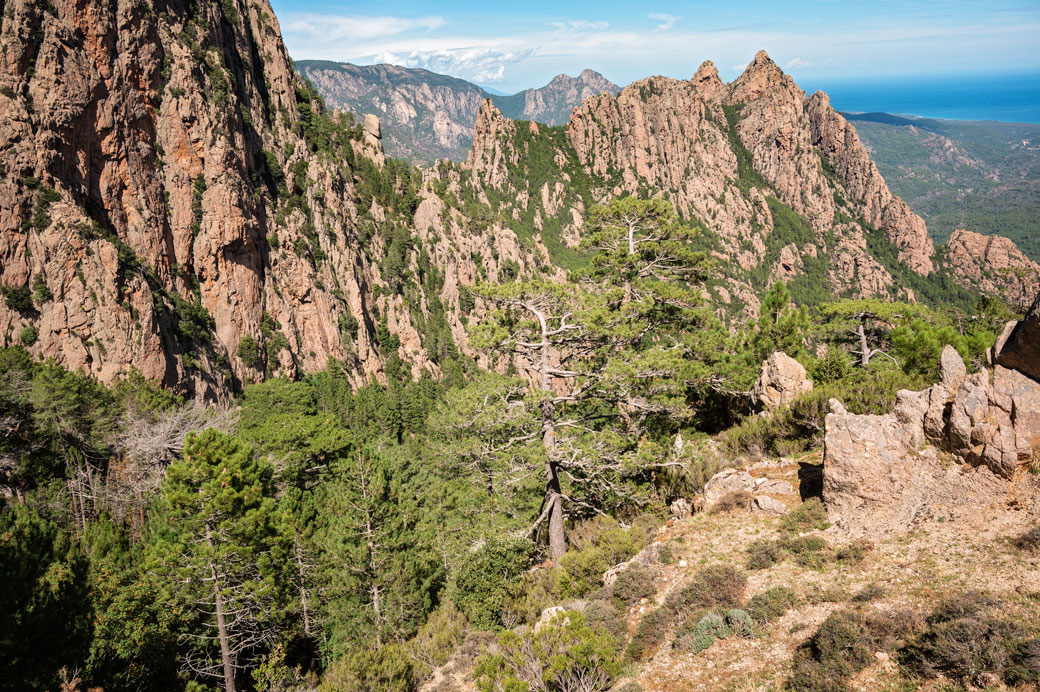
303	592
222	633
553	495
864	350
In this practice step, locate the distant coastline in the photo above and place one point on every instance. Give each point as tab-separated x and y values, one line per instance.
1004	97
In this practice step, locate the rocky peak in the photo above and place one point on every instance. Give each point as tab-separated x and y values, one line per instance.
707	81
761	77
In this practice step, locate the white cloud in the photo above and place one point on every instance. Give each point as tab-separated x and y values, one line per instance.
580	25
481	65
357	28
667	20
797	62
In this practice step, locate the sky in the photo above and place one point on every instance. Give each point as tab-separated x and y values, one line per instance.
511	46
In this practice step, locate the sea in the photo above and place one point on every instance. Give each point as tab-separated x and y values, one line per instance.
1003	97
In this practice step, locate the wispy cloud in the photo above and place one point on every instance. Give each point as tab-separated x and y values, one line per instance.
667	20
580	25
797	62
481	65
358	28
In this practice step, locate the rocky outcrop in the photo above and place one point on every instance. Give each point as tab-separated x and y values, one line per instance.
1019	345
889	472
751	482
780	382
993	265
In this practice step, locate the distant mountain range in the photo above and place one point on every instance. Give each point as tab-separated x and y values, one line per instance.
427	116
981	175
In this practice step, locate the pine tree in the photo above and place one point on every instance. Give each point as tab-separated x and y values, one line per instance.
218	546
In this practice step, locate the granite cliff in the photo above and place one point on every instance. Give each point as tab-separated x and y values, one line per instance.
428	116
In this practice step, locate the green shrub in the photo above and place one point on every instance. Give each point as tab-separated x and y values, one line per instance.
715	586
480	583
809	551
763	554
771	604
40	290
739	622
28	335
650	634
582	571
634	583
564	650
841	647
603	615
439	636
387	668
965	640
853	553
18	298
249	352
808	516
670	551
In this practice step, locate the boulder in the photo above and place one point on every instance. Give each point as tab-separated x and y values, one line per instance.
732	480
681	508
1019	347
781	380
951	368
372	126
763	504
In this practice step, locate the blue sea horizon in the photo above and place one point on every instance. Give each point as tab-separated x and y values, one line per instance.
1010	97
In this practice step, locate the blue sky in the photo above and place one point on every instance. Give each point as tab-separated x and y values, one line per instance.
514	45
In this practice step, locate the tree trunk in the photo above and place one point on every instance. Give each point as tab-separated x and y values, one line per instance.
222	634
864	351
303	593
553	494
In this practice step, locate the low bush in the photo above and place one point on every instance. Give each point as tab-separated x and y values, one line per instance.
853	553
634	583
868	594
763	554
845	644
650	634
739	622
603	615
733	501
18	298
965	640
480	583
1029	541
564	650
670	551
769	605
808	516
715	586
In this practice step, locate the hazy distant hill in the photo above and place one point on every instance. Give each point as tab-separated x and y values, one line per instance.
427	116
980	175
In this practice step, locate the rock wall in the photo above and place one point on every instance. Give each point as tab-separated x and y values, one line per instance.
172	194
948	451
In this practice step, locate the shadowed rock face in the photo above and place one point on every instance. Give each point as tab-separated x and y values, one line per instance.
884	473
161	183
1019	348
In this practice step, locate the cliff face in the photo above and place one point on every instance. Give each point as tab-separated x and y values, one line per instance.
780	181
174	200
425	116
428	116
553	103
993	265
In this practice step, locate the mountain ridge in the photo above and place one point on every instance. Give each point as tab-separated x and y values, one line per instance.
429	116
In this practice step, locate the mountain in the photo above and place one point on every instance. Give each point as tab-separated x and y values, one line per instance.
428	116
178	202
425	116
956	174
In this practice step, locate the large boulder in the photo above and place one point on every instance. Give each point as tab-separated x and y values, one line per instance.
887	473
782	379
1019	345
878	478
